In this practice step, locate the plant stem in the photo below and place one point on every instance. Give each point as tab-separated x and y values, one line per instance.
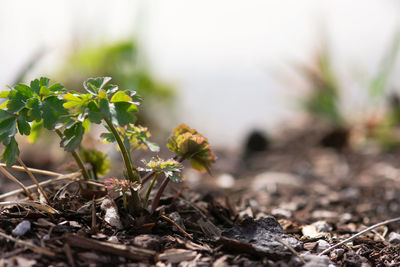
132	175
147	177
156	199
163	185
77	158
146	200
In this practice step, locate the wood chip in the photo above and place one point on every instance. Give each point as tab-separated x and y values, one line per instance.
131	252
177	255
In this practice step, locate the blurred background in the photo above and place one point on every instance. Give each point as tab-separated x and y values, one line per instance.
223	67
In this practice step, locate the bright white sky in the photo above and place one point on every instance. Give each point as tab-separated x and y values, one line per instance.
227	58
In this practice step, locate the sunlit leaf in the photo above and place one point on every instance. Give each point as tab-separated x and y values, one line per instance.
24	90
120	97
93	85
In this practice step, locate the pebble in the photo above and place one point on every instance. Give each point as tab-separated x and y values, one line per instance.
22	228
337	253
316	230
316	261
321	226
278	212
322	245
111	216
113	239
225	180
394	238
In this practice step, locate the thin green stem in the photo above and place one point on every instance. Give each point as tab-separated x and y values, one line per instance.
146	199
77	158
133	175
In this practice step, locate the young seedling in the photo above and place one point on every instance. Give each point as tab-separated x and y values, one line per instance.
28	109
70	114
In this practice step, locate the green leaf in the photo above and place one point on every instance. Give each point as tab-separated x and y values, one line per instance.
108	137
176	177
34	109
24	90
120	97
44	91
93	85
152	146
10	153
44	81
8	127
94	114
97	159
35	131
23	126
73	137
16	102
56	87
123	113
105	108
4	114
4	94
35	86
110	88
52	110
72	101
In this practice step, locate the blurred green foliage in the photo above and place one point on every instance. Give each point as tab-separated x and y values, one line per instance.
323	102
121	61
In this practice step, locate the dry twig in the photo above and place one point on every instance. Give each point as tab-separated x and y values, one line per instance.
280	240
71	176
31	246
34	180
39	206
15	180
33	170
358	234
177	226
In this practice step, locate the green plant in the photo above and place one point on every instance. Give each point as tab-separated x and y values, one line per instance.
123	61
323	103
70	114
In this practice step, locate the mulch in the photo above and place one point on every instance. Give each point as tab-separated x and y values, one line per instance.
284	207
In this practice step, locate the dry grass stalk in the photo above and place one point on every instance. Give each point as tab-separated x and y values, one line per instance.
29	245
34	180
39	206
33	170
71	176
15	180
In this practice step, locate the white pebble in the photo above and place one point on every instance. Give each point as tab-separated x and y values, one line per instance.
394	238
22	228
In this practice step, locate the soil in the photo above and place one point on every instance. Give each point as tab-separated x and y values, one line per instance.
282	206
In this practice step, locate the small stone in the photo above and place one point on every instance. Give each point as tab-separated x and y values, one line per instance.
321	226
152	242
337	253
310	245
324	214
394	238
113	239
225	180
315	260
111	216
322	245
278	212
22	228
